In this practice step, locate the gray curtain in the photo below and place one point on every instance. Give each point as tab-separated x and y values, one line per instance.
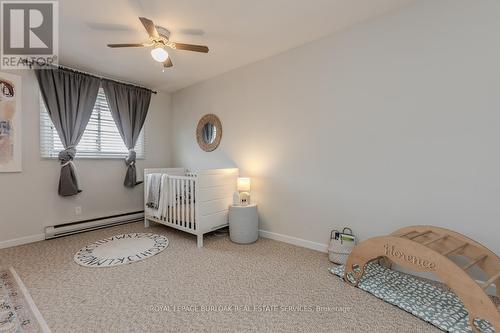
69	97
129	107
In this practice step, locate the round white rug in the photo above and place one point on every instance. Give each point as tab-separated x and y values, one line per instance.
121	250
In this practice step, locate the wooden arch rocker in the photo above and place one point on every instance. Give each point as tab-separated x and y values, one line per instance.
428	249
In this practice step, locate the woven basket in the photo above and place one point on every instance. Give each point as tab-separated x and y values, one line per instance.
339	251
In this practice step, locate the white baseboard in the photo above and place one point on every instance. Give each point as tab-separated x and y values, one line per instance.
21	241
294	240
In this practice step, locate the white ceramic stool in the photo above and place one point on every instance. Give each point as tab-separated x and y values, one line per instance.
243	224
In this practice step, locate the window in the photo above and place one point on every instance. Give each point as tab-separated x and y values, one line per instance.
101	138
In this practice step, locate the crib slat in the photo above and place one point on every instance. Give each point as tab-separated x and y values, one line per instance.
170	195
174	220
191	203
167	202
183	202
174	184
178	186
164	190
173	201
169	199
179	201
186	194
186	200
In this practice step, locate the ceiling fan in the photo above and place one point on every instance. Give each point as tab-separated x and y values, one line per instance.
159	39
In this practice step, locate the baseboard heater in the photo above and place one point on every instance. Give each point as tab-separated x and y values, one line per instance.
71	228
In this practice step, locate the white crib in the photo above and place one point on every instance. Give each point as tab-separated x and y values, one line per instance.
197	203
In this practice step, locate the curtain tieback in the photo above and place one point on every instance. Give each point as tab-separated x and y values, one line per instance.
67	155
64	164
130	160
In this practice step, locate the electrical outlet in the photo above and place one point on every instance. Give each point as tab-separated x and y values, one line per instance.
78	210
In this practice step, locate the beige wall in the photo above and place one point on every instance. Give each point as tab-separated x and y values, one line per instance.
29	200
393	123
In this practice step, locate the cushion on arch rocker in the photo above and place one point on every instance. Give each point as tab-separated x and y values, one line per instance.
422	299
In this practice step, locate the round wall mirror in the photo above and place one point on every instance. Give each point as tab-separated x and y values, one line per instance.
209	132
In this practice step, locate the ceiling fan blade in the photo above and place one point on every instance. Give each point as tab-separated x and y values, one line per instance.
188	47
128	45
168	63
150	27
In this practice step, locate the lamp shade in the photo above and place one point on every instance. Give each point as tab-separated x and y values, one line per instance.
244	184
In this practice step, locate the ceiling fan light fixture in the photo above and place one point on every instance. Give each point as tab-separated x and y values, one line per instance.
159	54
159	39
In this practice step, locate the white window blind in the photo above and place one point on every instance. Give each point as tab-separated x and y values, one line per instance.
101	138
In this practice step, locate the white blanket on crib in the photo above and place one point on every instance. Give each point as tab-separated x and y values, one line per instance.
163	200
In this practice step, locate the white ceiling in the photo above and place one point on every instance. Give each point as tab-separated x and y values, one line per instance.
238	32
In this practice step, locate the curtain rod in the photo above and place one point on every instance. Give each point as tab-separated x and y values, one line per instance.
31	63
106	78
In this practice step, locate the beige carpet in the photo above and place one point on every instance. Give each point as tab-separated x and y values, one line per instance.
268	286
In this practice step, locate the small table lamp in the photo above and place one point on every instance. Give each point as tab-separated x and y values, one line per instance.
244	189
